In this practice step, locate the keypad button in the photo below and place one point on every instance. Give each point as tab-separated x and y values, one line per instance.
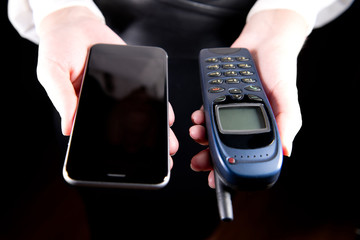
232	81
237	96
244	65
246	73
216	81
212	60
216	89
213	67
214	74
253	88
242	59
248	80
234	90
230	73
226	59
255	98
220	99
228	66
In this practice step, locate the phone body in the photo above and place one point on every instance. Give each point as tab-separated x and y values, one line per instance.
120	132
243	136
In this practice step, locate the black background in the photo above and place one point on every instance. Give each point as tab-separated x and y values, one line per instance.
318	185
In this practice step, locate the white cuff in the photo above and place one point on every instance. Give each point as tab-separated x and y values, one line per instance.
43	8
26	15
316	13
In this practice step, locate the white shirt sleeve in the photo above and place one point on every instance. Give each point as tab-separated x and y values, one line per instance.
26	15
316	13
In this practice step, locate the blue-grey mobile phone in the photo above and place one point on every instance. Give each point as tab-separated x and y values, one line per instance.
243	136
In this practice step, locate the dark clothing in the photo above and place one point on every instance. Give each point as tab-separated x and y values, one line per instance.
181	27
186	208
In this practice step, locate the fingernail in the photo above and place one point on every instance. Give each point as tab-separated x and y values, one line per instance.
287	150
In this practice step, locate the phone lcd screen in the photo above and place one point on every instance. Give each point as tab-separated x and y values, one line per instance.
120	132
242	118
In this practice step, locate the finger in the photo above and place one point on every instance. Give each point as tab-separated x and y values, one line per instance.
60	90
288	131
288	116
201	161
173	142
198	133
289	123
171	115
171	162
198	117
211	179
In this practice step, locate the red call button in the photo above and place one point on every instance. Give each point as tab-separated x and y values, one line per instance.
231	160
216	89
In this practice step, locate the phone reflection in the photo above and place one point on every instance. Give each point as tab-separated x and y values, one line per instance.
132	122
119	75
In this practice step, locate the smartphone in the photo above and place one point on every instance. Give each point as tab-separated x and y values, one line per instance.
120	133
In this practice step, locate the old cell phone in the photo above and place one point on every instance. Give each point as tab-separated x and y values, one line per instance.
120	132
243	137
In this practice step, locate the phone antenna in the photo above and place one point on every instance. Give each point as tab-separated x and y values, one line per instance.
224	202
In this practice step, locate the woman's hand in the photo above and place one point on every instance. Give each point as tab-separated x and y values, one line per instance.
65	38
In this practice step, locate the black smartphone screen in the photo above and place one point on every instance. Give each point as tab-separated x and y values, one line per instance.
120	133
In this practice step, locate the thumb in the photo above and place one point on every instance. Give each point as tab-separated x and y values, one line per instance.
289	125
56	81
288	115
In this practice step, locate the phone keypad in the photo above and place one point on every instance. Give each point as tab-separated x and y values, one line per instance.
233	76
